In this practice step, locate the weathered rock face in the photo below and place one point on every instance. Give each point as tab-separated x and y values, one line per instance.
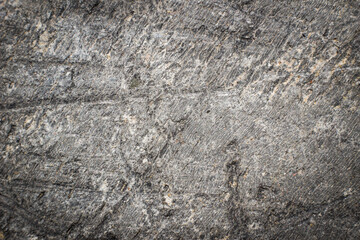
179	119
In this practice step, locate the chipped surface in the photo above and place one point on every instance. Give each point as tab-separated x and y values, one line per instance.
179	119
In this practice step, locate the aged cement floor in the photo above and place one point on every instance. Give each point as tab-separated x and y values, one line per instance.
179	119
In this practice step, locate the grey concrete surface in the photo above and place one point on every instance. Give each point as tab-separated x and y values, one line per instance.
178	119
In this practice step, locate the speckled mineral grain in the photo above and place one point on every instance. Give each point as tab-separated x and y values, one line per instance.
179	119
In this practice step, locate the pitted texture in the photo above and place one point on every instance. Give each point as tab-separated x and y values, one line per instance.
179	119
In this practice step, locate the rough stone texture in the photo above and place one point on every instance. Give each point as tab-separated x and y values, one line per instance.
179	119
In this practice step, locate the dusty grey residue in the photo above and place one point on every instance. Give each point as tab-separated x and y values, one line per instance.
209	119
